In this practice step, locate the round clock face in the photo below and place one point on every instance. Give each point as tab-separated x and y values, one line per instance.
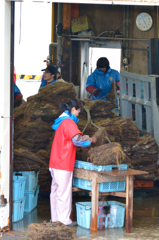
144	21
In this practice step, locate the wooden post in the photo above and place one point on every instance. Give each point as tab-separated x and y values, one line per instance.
129	203
94	202
66	15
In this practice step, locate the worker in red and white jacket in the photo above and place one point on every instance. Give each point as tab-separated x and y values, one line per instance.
62	160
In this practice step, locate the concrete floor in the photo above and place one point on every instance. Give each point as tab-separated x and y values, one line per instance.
145	219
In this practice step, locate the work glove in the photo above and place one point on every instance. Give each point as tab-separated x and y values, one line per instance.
96	92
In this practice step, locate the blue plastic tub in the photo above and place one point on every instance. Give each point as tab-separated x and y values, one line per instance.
83	213
18	187
28	218
112	186
31	199
90	166
113	220
117	215
31	179
103	187
18	209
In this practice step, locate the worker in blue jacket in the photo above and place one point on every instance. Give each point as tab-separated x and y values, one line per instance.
103	82
18	97
49	76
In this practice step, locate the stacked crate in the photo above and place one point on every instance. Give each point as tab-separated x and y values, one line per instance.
31	190
111	217
18	197
29	218
103	187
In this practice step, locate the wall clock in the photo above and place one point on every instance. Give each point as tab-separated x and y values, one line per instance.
144	21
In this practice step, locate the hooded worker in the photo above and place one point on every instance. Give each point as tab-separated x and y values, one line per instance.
102	83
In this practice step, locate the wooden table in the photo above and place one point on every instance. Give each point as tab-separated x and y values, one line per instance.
109	176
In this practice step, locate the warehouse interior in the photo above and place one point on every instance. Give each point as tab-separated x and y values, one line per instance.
105	27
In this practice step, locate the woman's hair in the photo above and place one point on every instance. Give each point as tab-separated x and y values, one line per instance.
70	104
103	62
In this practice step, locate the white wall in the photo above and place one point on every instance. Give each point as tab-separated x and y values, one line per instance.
32	36
28	87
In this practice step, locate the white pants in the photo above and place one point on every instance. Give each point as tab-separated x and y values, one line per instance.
61	196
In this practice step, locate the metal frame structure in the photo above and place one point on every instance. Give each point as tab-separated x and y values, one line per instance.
140	91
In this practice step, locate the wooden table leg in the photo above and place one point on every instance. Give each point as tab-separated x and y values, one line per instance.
129	203
94	202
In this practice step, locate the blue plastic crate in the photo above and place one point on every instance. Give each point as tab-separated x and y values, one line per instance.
28	218
103	187
31	217
117	215
18	209
18	187
31	179
112	186
83	213
101	216
112	220
82	183
31	199
84	165
90	166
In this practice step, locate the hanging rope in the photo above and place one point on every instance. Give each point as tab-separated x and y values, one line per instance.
89	121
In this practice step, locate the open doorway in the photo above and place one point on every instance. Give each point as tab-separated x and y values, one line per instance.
31	44
111	51
90	54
